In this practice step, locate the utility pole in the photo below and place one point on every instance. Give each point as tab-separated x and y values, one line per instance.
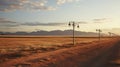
99	33
73	24
110	34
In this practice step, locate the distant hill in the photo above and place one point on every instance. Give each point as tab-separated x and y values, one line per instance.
54	32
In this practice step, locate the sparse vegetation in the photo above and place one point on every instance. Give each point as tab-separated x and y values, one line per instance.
12	48
16	48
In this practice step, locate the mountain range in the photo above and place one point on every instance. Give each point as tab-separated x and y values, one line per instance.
52	33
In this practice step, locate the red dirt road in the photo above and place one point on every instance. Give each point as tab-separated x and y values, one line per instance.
94	54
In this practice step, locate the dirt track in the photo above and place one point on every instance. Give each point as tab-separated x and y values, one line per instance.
94	54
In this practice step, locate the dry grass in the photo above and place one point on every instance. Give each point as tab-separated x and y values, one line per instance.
11	48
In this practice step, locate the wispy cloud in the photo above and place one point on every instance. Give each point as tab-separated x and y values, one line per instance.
12	5
82	22
60	2
30	5
5	20
100	20
42	24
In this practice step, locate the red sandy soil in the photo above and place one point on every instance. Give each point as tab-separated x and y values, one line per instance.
105	53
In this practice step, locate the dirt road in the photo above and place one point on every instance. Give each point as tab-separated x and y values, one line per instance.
94	54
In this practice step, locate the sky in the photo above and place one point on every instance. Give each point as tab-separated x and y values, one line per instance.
35	15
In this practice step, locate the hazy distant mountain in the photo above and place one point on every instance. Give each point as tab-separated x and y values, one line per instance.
55	32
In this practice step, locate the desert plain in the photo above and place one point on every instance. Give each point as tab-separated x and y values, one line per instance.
53	51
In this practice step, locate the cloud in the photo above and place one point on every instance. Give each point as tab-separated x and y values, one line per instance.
13	5
42	24
82	22
101	20
10	5
31	5
9	25
40	5
5	20
60	2
49	24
